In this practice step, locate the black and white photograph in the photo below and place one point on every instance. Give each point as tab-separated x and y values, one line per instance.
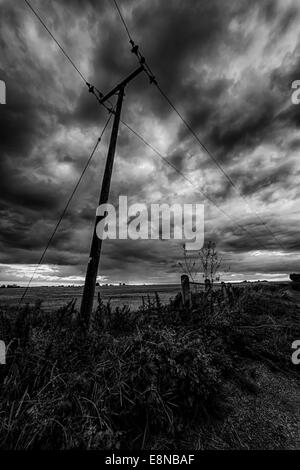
149	217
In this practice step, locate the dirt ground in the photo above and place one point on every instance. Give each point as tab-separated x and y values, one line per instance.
267	420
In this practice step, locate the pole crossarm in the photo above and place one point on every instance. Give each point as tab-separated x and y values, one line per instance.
122	84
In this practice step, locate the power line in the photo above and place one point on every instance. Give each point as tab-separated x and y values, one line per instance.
142	60
218	165
192	184
123	21
92	89
184	176
65	209
99	95
55	40
229	179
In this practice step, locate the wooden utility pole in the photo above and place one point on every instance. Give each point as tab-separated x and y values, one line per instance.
95	252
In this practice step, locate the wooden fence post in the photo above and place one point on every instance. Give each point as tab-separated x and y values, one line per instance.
295	278
185	291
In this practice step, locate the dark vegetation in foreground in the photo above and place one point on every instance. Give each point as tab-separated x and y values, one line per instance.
161	378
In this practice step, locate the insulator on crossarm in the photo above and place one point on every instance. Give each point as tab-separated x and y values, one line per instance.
152	79
135	49
100	95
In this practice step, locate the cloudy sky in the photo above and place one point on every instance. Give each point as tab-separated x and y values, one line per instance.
227	66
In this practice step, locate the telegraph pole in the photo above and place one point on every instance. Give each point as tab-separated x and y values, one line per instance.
95	252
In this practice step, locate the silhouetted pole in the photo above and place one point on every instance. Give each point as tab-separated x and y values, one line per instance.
92	268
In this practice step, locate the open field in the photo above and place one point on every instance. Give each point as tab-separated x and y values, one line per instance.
55	297
132	296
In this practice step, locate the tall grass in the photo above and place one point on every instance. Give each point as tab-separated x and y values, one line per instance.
135	380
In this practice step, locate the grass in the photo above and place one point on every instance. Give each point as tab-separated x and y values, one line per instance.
216	376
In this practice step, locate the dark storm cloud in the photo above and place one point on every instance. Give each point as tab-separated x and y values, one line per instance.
227	66
172	35
270	178
186	35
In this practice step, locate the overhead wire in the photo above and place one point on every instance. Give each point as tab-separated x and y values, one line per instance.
92	89
167	161
65	209
34	11
99	95
136	50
